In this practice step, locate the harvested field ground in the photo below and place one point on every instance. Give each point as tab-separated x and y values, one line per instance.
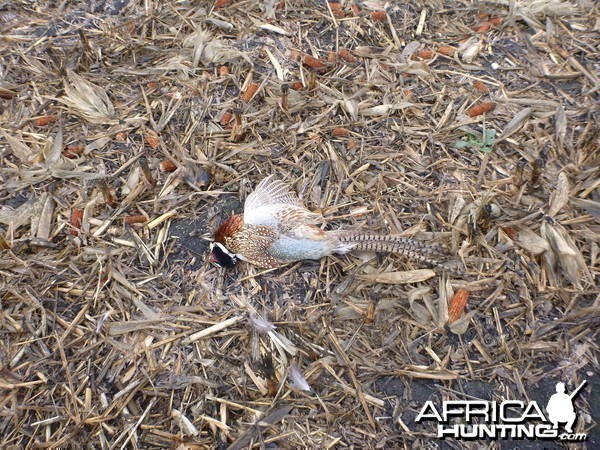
130	129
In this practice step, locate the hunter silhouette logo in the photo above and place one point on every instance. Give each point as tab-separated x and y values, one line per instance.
509	419
560	407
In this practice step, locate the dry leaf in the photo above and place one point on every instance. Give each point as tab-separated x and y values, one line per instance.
18	147
560	196
383	110
531	241
560	125
409	49
470	49
416	68
566	252
421	313
274	29
445	292
222	24
88	100
186	426
45	220
351	107
462	325
372	51
202	47
590	206
539	9
18	217
98	144
53	151
36	213
409	276
515	123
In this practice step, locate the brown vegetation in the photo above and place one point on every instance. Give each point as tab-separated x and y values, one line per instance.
130	130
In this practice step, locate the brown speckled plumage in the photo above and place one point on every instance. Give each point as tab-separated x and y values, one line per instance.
250	242
276	230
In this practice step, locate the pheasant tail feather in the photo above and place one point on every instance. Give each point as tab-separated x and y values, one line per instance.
432	254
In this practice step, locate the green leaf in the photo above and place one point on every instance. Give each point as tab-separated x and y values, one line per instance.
461	144
490	137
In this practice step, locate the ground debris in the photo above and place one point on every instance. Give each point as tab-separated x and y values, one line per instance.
129	130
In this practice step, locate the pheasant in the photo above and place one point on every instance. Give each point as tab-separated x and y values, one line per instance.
276	229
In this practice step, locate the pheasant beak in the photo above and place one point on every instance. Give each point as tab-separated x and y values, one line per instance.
213	259
220	256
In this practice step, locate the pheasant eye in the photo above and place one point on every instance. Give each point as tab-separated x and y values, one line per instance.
221	256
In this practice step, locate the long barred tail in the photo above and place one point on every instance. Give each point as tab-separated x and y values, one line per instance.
431	254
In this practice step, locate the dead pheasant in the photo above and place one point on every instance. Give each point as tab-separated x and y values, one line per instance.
276	229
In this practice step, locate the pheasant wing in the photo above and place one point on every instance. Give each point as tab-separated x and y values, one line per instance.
270	192
275	205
